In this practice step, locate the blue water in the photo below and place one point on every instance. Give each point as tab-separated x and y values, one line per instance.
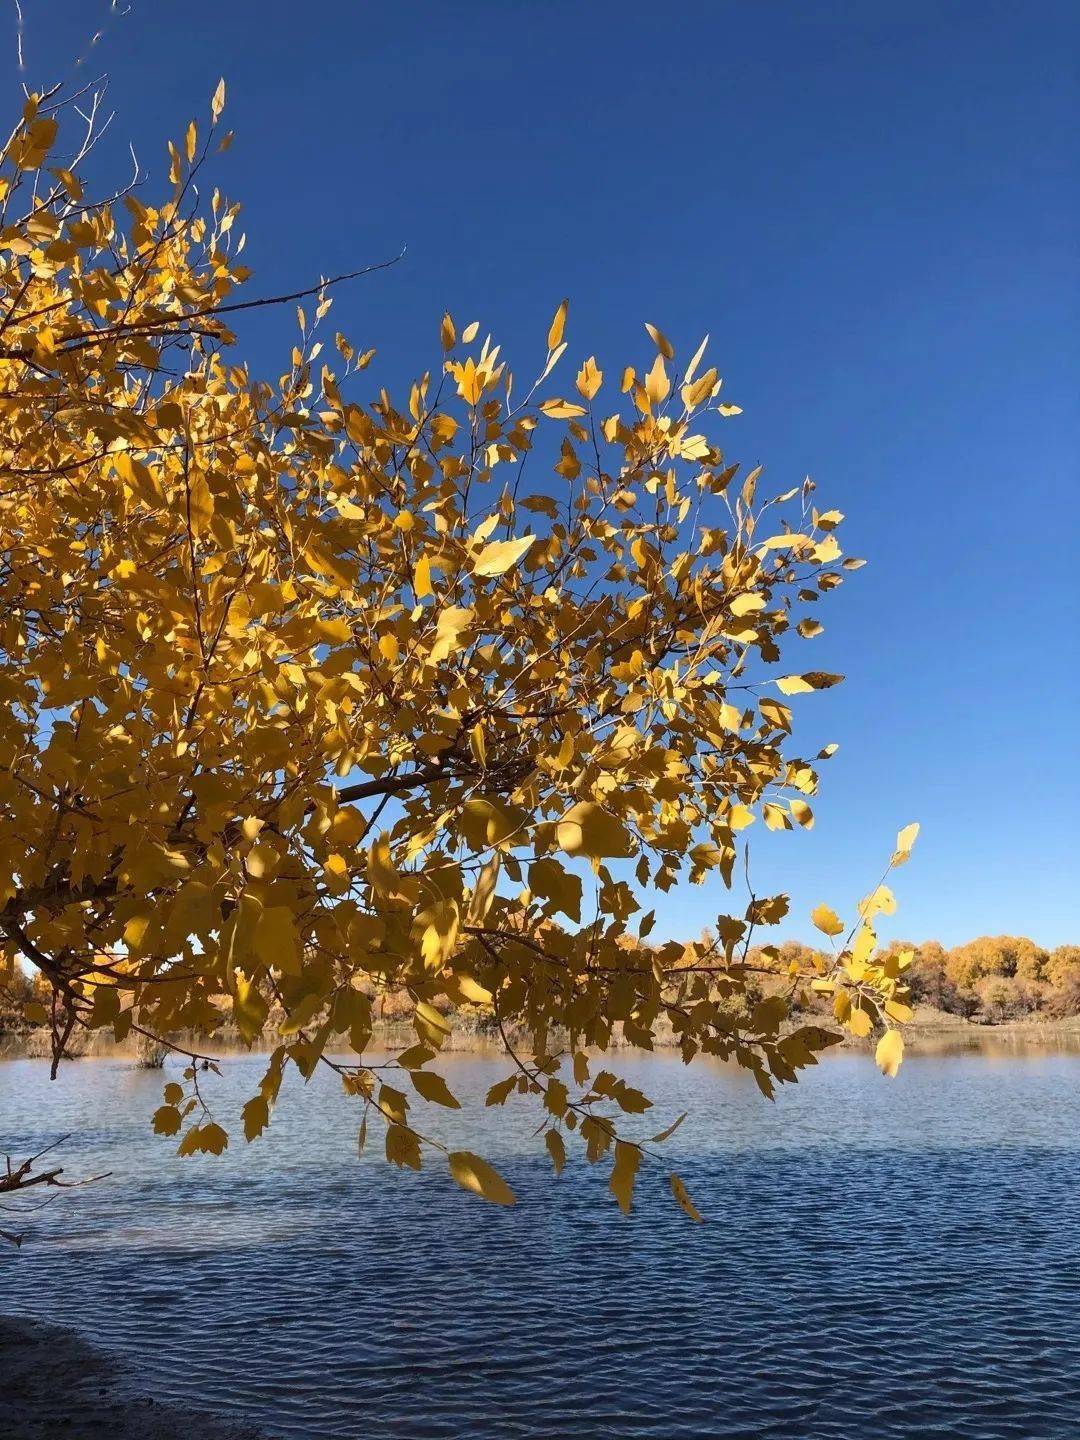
885	1259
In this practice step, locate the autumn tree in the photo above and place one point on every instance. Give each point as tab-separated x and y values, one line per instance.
1004	956
311	695
1063	974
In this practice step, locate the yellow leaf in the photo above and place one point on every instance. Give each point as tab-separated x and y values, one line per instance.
402	1147
589	378
561	409
695	394
881	901
497	558
189	1145
802	813
474	1174
489	822
863	948
469	989
827	921
501	1091
691	369
555	334
430	1025
447	332
200	504
302	1014
739	817
586	829
434	1088
484	891
550	881
775	817
667	1134
217	104
422	578
747	604
452	624
212	1139
437	927
556	1149
679	1190
470	382
859	1022
336	874
166	1120
904	841
657	384
478	745
250	1010
256	1117
275	941
890	1052
623	1174
661	342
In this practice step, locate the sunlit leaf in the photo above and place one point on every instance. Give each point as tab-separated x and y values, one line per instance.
827	920
587	829
497	558
474	1174
555	333
890	1052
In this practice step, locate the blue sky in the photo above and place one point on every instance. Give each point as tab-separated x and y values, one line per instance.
873	211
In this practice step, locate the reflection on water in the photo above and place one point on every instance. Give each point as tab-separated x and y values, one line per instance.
897	1259
997	1041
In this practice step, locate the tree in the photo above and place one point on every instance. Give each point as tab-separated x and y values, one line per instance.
306	699
1001	955
1063	973
1063	967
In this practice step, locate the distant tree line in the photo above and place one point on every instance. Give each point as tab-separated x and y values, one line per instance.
991	979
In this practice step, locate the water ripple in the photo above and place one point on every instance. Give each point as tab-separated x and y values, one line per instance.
890	1260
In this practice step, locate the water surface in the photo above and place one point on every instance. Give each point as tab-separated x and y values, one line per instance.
887	1259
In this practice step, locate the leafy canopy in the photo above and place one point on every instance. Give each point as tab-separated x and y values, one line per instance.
309	698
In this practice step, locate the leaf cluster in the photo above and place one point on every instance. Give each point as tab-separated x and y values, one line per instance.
311	694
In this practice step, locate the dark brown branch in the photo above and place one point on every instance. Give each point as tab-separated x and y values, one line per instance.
180	324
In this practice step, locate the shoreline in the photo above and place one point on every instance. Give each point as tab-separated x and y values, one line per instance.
931	1028
56	1383
930	1031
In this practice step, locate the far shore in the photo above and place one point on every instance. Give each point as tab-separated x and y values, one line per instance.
55	1383
929	1032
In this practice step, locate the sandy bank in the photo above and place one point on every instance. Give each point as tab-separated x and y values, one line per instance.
55	1386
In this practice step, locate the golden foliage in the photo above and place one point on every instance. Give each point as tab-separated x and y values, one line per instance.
307	698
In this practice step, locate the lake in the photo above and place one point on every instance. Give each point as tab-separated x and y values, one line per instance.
881	1258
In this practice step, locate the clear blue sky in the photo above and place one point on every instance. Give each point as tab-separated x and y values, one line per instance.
872	208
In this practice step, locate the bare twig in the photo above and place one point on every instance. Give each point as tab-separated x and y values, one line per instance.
17	1179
